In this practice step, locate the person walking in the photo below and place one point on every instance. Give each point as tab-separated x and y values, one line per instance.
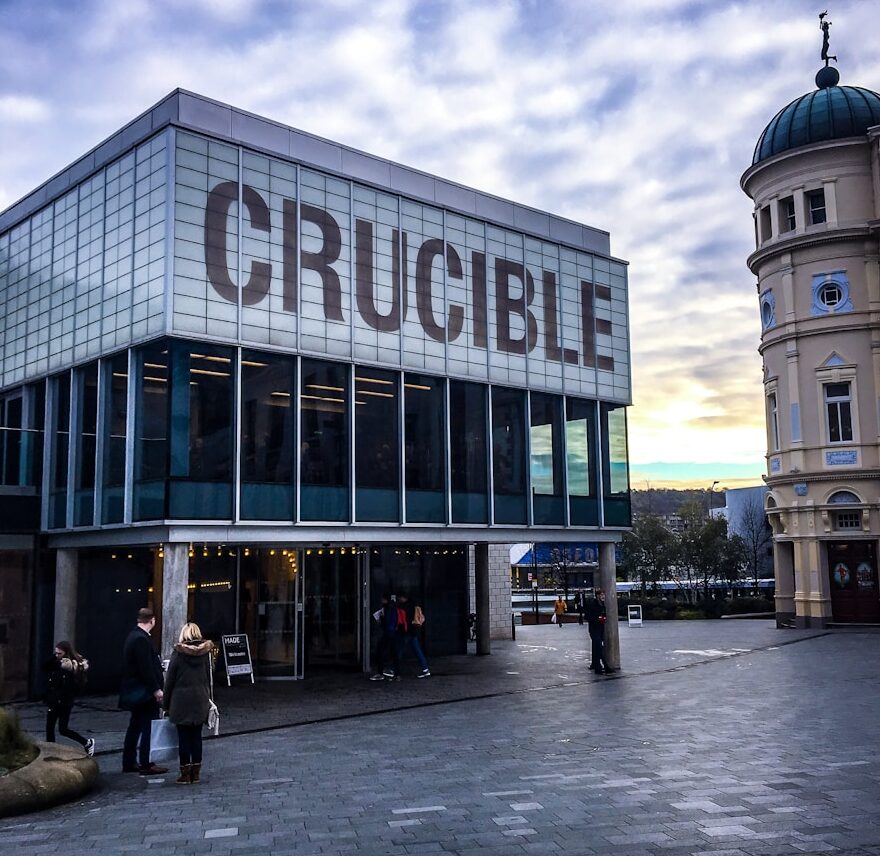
66	677
579	603
141	693
596	616
188	696
559	610
387	648
408	633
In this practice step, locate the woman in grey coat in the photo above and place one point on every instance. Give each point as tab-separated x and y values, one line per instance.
187	697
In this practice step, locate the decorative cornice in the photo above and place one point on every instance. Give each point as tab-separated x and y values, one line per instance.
842	475
800	242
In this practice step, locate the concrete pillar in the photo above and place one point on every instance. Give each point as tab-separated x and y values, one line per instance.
175	579
608	583
481	593
66	577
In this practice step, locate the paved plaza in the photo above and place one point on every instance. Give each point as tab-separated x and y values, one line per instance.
723	737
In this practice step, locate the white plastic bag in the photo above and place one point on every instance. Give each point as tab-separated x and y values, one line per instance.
163	740
213	718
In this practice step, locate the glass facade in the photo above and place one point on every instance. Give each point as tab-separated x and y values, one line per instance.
418	449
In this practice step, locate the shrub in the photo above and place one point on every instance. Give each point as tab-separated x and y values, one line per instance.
16	748
690	614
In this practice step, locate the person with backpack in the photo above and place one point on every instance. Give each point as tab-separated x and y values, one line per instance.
67	672
410	620
387	647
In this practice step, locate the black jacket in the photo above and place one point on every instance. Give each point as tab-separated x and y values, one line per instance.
63	678
595	614
188	682
141	670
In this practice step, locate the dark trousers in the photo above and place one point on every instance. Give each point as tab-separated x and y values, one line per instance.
60	714
136	746
189	742
597	637
388	649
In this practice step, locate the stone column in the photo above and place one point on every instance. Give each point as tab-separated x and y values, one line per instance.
783	562
608	583
175	578
481	587
66	577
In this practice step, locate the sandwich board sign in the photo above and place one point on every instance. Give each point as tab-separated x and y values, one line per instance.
634	614
237	656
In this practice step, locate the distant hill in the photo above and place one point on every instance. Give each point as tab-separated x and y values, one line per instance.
666	501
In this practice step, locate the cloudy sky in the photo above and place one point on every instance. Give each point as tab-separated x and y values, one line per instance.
636	116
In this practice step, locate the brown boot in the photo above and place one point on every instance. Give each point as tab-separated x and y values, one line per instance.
185	772
194	771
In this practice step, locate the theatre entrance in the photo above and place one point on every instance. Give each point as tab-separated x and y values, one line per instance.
333	621
302	609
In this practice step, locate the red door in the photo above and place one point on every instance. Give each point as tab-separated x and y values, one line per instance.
855	596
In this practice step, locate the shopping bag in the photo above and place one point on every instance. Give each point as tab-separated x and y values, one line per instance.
163	740
213	718
553	618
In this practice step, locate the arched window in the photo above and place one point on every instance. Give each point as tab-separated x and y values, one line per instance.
843	497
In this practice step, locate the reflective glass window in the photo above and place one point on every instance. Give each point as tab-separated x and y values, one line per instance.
201	452
547	459
615	466
86	445
580	453
115	407
60	440
377	449
324	441
151	432
509	455
469	453
425	448
267	427
11	438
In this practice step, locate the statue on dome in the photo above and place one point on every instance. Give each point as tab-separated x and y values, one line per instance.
825	27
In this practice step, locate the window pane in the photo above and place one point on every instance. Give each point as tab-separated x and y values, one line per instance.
377	453
324	442
115	408
201	432
615	466
580	443
58	484
509	455
267	426
151	433
425	450
547	459
469	453
87	423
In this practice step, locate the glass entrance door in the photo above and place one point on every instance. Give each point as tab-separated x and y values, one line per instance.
332	631
272	600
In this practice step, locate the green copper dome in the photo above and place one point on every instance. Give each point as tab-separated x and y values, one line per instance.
831	112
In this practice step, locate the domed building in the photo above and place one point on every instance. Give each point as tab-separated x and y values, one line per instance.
815	183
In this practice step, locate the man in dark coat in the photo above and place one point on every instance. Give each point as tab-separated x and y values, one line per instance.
596	616
141	693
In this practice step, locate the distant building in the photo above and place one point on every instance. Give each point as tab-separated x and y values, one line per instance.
744	510
815	182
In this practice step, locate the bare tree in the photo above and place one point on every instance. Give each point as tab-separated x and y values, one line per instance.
754	529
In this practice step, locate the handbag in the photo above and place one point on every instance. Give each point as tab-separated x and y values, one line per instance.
213	711
418	617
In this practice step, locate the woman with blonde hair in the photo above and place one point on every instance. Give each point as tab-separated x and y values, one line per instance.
187	697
